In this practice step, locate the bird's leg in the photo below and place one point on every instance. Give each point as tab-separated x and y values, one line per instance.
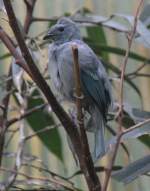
73	114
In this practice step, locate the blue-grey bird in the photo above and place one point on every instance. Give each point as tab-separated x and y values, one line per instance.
95	83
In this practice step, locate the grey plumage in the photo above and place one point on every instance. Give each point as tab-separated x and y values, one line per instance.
95	84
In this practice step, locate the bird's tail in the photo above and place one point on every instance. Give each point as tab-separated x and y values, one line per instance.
97	126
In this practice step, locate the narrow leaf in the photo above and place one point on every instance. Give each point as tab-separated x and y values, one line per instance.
133	170
143	34
115	50
41	119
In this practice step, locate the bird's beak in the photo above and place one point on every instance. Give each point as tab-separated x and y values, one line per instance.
48	36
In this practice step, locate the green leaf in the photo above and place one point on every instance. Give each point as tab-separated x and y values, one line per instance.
41	119
133	170
7	55
97	36
145	139
135	115
115	50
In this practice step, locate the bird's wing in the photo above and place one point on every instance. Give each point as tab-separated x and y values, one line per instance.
93	85
94	79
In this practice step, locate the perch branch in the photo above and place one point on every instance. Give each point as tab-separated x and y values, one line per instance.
80	119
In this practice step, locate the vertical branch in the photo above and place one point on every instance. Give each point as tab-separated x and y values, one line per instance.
88	166
130	40
3	118
78	91
20	150
120	114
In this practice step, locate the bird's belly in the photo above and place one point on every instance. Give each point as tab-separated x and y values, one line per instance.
67	78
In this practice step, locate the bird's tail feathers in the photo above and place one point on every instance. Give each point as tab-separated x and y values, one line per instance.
98	124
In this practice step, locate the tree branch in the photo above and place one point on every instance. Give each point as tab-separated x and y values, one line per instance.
3	118
120	116
12	49
80	119
29	14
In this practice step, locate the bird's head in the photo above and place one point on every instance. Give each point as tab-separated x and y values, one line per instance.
63	31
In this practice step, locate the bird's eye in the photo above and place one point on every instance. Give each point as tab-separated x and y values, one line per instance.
61	29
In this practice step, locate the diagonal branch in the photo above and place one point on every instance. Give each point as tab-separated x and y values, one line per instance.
12	49
26	114
120	116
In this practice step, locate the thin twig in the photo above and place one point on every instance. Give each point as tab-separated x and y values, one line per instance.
122	144
130	40
40	132
137	70
53	174
135	126
141	75
114	154
98	169
44	180
26	114
84	21
20	148
3	118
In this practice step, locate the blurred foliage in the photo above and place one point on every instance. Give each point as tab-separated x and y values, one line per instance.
96	37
